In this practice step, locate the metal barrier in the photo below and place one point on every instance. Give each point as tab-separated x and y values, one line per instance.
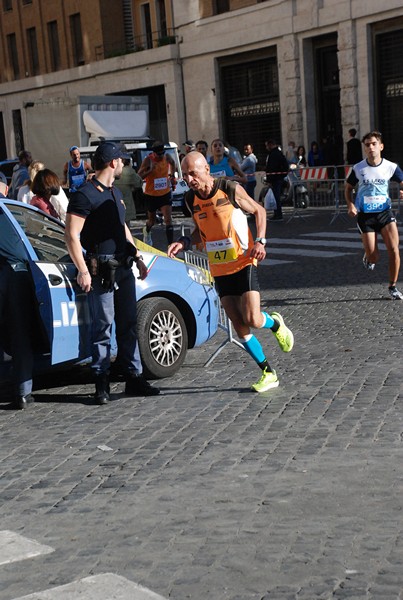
199	259
325	189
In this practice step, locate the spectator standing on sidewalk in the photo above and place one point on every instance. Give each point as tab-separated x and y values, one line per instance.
20	174
248	166
354	149
25	193
218	207
131	186
373	208
315	156
276	169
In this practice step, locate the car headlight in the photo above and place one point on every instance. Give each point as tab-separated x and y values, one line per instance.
199	275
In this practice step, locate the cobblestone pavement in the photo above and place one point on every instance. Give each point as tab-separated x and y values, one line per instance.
212	491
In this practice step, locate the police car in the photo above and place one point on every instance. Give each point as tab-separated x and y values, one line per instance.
178	308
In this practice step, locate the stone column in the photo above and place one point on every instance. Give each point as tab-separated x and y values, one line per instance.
347	58
290	89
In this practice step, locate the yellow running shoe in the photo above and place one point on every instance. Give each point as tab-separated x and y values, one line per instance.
283	335
267	381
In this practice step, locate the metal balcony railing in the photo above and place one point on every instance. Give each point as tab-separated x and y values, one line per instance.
153	39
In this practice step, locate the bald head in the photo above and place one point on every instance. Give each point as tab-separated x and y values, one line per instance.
196	173
3	188
193	159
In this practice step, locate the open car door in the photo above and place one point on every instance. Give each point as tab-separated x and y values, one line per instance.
64	311
63	307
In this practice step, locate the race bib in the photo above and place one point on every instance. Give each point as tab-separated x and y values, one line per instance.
161	183
218	174
375	203
77	180
221	251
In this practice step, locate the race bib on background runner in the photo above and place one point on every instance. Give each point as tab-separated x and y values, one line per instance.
161	183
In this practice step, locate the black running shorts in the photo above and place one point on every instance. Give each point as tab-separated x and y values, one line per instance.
374	222
153	203
238	283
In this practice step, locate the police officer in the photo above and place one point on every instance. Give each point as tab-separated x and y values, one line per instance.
17	313
96	221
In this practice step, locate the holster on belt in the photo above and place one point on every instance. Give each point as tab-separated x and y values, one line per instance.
107	271
92	265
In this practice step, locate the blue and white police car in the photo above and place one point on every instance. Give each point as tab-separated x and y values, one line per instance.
178	307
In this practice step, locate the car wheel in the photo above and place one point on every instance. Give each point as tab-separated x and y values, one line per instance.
162	335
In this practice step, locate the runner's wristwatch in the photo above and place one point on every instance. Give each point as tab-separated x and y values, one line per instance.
261	240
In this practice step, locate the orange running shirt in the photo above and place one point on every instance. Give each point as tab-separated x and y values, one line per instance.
223	228
157	182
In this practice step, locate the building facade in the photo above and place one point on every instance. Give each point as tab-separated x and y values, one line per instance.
245	70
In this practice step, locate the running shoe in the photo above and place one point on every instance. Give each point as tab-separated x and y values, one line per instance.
147	239
395	294
283	335
267	381
367	264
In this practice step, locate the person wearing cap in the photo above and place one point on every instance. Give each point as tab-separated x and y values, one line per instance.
189	146
75	171
20	174
158	170
95	221
17	313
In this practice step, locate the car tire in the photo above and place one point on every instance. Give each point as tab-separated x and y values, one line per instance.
162	335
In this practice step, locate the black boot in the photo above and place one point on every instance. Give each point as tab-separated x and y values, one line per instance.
102	388
137	385
21	402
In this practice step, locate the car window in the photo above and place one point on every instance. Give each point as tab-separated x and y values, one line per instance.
11	245
45	236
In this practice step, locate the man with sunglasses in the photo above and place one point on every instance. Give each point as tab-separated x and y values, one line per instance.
158	170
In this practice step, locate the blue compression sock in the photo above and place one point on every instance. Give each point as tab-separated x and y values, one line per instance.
253	347
268	322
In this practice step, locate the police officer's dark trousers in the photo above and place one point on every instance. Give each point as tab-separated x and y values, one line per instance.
118	305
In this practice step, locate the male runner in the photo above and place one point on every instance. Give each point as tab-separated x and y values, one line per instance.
75	171
373	208
217	206
158	169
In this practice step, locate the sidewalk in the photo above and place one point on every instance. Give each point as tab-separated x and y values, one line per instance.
210	491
